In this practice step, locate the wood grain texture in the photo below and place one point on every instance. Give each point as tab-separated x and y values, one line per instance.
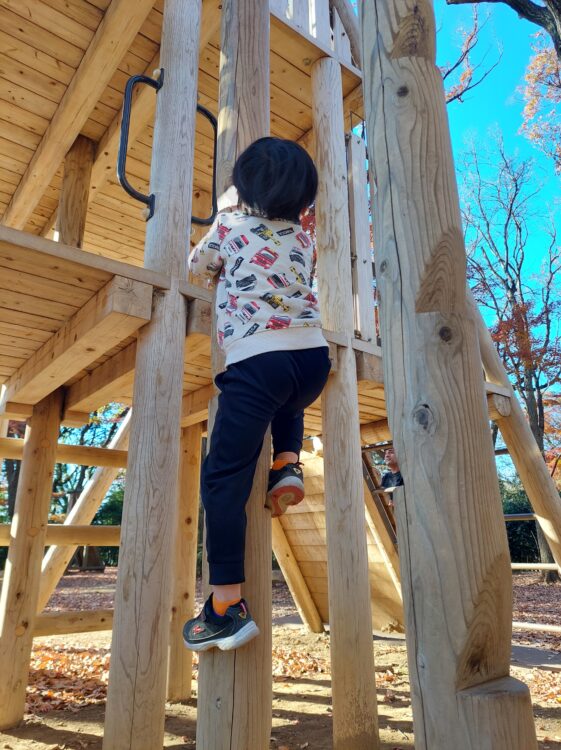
362	278
522	447
180	663
294	579
18	602
226	719
112	39
84	455
113	314
96	488
355	723
453	552
63	623
73	205
138	672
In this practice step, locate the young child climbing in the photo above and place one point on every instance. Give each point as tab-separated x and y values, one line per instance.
276	365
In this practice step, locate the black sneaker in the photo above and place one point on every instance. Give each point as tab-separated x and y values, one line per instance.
209	630
286	487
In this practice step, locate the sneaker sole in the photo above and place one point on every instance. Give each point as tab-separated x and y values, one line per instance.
243	636
282	497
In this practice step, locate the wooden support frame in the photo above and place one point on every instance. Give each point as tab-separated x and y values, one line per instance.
522	447
73	204
83	455
112	39
456	589
180	663
64	623
63	534
137	678
363	289
355	722
20	589
57	558
113	314
142	114
226	719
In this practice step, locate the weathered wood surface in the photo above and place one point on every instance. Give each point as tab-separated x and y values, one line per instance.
453	551
73	205
363	288
138	672
226	719
58	533
56	559
63	623
20	589
522	447
84	455
355	724
180	662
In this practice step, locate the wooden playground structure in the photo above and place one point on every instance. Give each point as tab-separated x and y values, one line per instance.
107	313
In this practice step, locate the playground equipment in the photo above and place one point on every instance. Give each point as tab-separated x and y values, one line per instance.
108	313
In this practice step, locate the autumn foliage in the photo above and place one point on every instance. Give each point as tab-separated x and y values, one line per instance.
542	93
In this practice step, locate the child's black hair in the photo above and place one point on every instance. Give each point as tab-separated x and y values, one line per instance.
276	178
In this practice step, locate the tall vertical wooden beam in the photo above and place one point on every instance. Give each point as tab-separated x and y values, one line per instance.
73	204
355	724
453	550
235	688
18	603
185	566
137	677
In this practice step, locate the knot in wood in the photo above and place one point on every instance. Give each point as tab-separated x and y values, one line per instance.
383	266
423	417
402	91
445	334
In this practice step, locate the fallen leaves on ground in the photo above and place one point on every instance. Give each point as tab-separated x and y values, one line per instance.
66	678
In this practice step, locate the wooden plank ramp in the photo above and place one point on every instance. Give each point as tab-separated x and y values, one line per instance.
304	527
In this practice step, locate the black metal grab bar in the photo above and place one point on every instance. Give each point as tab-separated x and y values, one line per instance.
214	123
150	200
156	84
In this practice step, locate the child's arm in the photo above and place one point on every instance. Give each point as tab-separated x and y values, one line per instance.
205	259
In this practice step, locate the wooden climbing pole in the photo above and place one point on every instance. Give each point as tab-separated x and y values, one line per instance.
234	706
453	549
139	651
355	725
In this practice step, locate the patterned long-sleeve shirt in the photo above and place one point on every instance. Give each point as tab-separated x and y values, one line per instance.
263	270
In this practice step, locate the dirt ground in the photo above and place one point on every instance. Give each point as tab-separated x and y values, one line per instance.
66	697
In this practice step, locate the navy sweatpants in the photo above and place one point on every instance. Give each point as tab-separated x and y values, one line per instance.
269	389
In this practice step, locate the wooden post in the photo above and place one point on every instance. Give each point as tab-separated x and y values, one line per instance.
355	723
73	204
18	603
455	564
56	559
363	288
522	447
137	677
185	568
320	27
235	688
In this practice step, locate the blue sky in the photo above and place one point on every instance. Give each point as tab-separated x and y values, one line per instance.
499	100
